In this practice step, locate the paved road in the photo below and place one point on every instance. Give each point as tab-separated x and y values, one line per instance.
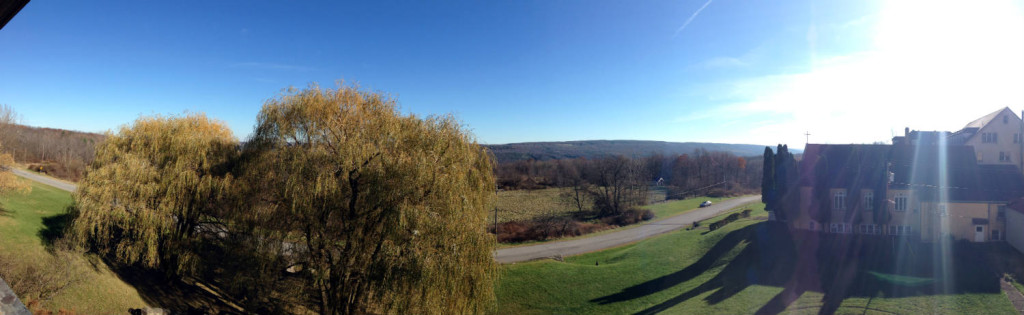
59	184
603	241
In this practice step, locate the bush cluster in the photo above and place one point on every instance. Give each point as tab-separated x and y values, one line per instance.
539	230
720	223
631	216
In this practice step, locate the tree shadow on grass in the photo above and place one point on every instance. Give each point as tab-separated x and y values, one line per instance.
53	228
177	295
708	261
840	266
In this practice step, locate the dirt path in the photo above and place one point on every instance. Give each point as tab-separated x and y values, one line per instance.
604	241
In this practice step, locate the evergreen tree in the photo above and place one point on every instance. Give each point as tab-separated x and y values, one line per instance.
768	180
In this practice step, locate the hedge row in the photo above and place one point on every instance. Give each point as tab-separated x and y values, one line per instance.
729	219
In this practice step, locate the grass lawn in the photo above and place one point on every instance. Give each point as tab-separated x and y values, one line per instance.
23	225
515	205
737	269
673	207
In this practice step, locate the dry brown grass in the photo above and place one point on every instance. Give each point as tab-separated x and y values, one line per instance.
39	279
525	205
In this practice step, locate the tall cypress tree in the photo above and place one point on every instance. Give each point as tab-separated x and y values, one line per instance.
768	180
781	182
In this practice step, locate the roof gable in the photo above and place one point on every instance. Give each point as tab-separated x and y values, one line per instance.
985	120
970	131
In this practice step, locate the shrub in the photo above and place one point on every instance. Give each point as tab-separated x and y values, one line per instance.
631	216
544	229
728	219
745	213
39	279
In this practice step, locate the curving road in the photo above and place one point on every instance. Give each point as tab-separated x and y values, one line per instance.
604	241
59	184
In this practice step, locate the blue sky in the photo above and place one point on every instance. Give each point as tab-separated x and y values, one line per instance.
760	72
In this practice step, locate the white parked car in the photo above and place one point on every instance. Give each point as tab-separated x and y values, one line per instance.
705	203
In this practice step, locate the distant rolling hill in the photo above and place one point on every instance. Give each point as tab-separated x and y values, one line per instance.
599	148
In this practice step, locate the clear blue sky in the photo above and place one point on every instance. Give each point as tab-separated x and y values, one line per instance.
759	72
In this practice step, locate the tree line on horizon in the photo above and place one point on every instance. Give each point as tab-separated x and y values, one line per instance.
60	153
700	173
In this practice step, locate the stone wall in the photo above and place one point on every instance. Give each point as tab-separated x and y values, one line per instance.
9	303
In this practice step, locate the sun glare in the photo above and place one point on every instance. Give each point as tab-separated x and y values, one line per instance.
931	64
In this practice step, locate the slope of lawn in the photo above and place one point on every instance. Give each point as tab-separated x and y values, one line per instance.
28	221
733	270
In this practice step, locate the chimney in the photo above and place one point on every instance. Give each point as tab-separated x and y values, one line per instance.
906	131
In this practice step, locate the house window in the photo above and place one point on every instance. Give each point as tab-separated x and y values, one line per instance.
841	228
1016	138
1004	157
899	230
1001	211
988	137
995	235
869	200
839	200
868	229
901	202
1005	119
942	210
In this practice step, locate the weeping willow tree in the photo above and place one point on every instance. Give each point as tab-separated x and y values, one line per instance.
8	181
146	196
391	207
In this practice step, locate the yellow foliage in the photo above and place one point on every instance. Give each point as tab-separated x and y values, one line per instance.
150	184
392	207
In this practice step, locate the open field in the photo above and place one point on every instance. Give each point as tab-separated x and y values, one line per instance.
741	269
515	205
27	222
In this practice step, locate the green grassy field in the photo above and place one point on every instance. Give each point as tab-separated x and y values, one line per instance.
514	205
23	227
673	207
728	271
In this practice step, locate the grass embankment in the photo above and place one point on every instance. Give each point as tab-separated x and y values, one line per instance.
26	223
734	270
